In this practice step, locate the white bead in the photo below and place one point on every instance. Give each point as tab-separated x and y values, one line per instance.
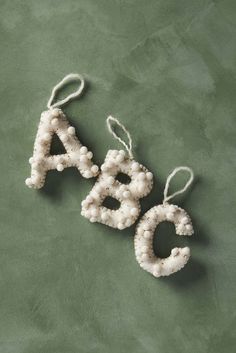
55	113
28	182
89	199
39	158
83	150
152	224
114	153
147	234
102	184
138	252
35	165
87	174
140	230
94	212
64	137
145	257
60	167
188	227
98	188
31	160
141	176
55	122
89	155
181	227
84	203
104	168
123	188
170	216
135	166
110	180
104	216
36	180
145	249
45	116
109	164
156	270
120	226
175	252
94	195
94	169
141	188
149	176
71	130
86	213
184	220
172	208
122	152
185	251
47	137
126	194
83	159
128	222
146	225
134	211
93	219
119	194
119	158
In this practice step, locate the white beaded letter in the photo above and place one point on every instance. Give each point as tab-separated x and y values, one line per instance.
107	185
143	240
127	194
54	121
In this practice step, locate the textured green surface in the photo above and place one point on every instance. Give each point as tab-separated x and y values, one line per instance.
167	70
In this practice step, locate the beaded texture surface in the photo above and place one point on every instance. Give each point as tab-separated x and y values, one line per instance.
54	121
127	194
143	240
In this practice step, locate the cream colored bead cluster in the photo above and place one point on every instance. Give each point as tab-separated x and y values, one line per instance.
143	240
53	121
127	194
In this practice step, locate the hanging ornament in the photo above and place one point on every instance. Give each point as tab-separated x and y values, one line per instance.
143	240
108	185
53	121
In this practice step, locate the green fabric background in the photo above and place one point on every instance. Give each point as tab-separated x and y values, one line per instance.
167	70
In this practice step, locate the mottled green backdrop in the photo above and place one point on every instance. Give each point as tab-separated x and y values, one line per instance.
167	70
